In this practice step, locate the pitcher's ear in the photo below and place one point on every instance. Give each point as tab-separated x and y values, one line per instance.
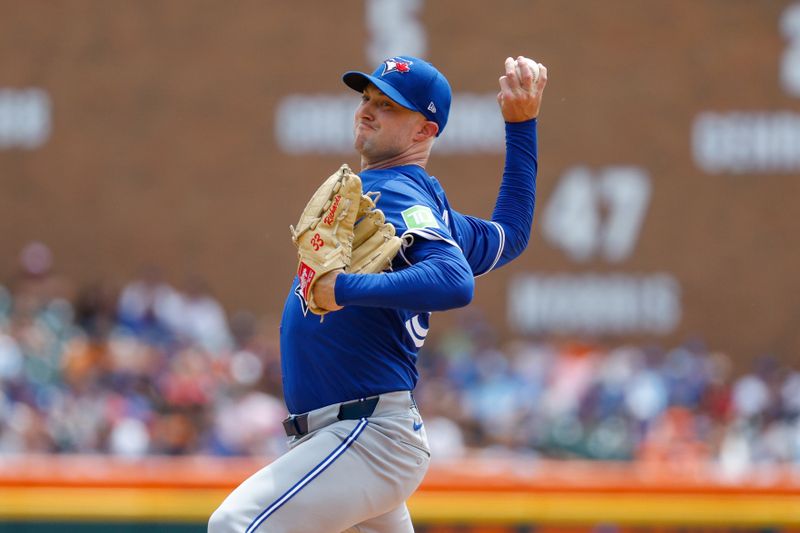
428	129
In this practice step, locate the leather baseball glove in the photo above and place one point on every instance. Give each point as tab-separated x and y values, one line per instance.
328	238
324	234
375	242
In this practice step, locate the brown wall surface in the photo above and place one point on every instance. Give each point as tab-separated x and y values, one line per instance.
162	146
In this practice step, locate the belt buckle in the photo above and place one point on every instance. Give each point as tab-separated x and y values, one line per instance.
296	425
361	408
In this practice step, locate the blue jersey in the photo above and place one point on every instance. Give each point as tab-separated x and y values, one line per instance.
362	351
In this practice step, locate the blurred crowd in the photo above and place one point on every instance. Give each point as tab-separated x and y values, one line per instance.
157	369
625	402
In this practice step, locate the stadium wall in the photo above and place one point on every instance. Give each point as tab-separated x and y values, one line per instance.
88	493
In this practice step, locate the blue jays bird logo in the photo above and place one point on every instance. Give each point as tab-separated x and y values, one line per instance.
396	64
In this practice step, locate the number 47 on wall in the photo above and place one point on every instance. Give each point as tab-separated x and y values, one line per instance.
600	212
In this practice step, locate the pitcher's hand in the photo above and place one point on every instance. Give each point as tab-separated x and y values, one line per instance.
520	95
324	294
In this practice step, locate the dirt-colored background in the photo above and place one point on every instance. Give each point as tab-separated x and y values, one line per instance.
162	147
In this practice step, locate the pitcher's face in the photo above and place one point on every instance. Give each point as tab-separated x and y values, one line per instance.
383	128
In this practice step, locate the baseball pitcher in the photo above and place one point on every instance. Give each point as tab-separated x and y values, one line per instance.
378	252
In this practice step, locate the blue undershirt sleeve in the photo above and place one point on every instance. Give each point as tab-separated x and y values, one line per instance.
517	197
493	244
440	278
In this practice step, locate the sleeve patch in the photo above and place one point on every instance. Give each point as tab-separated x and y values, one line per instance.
418	217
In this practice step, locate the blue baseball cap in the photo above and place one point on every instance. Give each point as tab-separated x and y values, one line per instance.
411	82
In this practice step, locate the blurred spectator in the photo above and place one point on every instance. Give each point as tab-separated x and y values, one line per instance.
750	396
149	307
95	310
674	439
36	283
200	319
249	423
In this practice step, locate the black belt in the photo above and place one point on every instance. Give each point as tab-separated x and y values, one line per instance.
297	425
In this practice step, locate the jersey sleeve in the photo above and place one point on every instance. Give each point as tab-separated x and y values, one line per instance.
415	215
482	241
